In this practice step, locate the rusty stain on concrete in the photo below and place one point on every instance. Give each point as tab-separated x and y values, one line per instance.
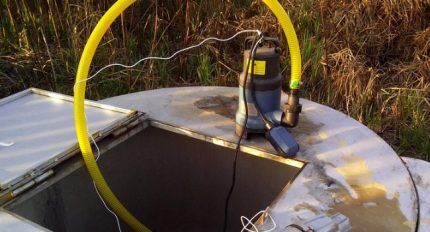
221	105
364	211
306	206
306	126
312	140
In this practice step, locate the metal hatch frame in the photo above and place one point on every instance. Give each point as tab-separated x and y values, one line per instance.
246	148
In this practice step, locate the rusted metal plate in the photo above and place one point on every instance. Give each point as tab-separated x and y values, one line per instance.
350	170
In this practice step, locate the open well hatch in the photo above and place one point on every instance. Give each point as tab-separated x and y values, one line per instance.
171	181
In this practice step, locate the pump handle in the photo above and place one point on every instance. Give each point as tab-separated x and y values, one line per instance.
250	39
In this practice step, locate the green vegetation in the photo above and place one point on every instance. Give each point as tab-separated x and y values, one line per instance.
368	59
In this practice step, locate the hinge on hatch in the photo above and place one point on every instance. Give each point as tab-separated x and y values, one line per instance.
23	188
141	120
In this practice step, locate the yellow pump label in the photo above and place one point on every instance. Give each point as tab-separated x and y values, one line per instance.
259	67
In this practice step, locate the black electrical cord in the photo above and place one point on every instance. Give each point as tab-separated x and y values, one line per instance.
269	124
242	133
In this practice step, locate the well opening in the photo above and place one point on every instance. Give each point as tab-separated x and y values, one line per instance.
170	181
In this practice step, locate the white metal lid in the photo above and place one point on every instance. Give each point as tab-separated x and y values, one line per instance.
10	222
37	129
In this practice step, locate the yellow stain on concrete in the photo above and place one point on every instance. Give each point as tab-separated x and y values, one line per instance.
371	211
357	173
323	135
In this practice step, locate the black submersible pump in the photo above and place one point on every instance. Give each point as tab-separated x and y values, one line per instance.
260	87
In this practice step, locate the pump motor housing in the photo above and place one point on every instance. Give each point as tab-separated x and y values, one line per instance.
266	82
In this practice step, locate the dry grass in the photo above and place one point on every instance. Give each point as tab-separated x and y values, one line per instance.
369	59
378	59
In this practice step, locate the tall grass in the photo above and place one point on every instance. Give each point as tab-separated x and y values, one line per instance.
369	59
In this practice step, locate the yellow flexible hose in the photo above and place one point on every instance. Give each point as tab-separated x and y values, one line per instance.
293	42
80	122
79	96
